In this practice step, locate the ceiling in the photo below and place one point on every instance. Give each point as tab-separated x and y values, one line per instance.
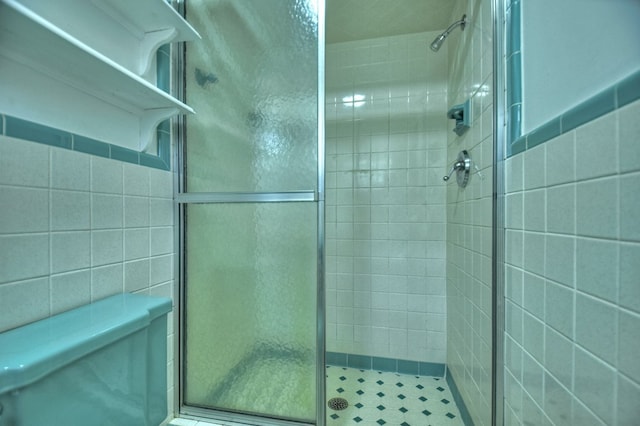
348	20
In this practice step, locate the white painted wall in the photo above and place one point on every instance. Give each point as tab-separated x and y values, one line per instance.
573	49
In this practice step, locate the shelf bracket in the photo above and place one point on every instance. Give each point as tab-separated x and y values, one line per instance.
148	47
149	122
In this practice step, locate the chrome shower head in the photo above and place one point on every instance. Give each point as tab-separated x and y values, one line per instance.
437	43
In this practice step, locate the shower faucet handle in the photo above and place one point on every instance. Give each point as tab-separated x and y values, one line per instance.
454	167
462	166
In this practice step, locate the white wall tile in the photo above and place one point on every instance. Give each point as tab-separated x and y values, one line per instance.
628	395
597	207
106	247
136	243
594	385
629	344
24	256
70	290
106	211
598	149
23	302
136	275
136	212
561	159
70	210
23	210
70	251
629	134
597	267
106	175
136	180
106	280
629	291
23	163
65	177
629	207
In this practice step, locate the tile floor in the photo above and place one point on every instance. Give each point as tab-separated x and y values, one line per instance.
382	398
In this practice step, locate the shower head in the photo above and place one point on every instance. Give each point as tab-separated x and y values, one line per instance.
437	43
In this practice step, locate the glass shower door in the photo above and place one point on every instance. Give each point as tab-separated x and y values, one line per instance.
251	210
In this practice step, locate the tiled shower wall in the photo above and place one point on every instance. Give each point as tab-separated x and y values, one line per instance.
385	199
572	295
75	228
469	212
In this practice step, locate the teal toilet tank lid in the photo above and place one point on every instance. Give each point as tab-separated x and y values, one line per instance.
33	351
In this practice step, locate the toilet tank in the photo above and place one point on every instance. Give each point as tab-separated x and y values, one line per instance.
100	364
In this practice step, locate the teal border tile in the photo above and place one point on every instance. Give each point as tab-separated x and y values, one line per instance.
514	23
336	359
124	154
34	132
152	161
91	146
544	133
385	364
592	108
464	413
409	367
359	361
628	90
432	369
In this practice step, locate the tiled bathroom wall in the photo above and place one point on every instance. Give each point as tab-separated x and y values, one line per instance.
75	228
385	200
572	294
469	212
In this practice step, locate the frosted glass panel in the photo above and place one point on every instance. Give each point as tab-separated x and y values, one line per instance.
251	275
253	83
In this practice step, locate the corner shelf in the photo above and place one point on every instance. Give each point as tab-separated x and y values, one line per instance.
50	76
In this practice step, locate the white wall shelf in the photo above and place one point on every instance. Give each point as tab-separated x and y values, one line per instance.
93	80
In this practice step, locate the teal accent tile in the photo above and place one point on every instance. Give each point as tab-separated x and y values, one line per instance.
164	148
409	367
91	146
515	122
457	397
628	90
152	161
34	132
544	133
520	145
359	361
432	369
165	126
163	76
513	28
337	359
514	79
166	49
384	364
124	154
588	110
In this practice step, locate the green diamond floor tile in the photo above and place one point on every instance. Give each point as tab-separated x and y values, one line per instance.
374	397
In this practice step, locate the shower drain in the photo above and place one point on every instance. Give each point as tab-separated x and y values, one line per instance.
338	404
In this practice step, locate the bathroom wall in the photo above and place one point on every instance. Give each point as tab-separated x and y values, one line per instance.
469	212
551	87
572	295
572	308
75	228
385	199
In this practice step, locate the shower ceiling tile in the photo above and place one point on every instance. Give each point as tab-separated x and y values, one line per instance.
349	20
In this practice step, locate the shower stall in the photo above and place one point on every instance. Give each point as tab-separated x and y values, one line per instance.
319	238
